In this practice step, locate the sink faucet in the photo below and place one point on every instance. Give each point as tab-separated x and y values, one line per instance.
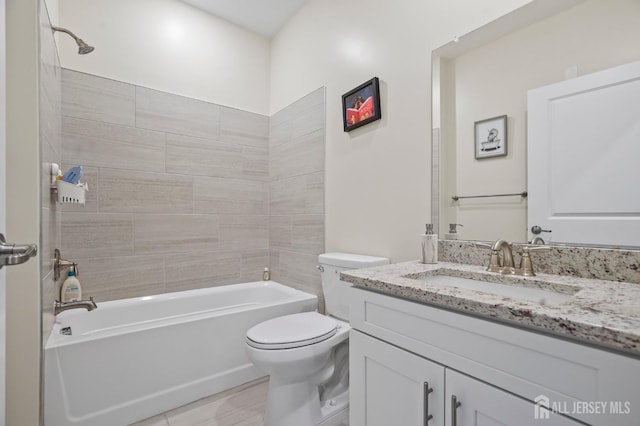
507	265
89	305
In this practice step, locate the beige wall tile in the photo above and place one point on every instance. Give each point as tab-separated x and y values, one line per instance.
287	196
171	113
280	230
307	234
255	162
298	270
95	98
297	195
205	220
244	128
274	265
170	233
242	233
121	277
206	157
302	155
279	118
229	196
280	132
186	271
49	236
49	154
138	192
93	143
253	264
308	113
314	200
49	294
50	113
93	235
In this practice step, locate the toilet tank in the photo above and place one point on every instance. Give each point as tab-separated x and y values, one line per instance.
336	292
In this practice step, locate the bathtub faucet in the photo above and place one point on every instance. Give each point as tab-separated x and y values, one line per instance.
89	305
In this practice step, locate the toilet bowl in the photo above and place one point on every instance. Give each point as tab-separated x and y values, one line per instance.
299	365
307	355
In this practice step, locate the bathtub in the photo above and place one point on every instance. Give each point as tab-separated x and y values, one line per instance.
134	358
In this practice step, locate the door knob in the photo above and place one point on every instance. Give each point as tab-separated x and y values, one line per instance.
535	229
15	254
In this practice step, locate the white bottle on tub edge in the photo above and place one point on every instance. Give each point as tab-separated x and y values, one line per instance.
71	290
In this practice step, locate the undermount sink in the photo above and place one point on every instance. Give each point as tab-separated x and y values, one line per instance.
513	287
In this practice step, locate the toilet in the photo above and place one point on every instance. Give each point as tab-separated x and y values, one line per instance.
307	354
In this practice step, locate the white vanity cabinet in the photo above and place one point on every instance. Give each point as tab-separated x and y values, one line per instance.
390	386
481	404
501	375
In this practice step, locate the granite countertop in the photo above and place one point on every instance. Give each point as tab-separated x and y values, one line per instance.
594	311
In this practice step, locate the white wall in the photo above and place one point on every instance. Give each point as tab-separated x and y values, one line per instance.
170	46
494	79
378	176
23	311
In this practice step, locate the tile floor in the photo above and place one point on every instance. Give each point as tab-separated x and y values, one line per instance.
240	406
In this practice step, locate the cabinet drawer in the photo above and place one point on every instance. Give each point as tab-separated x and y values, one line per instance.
525	363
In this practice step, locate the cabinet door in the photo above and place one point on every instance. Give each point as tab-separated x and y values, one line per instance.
480	404
390	386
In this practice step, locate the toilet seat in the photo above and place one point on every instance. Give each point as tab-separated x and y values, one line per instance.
292	331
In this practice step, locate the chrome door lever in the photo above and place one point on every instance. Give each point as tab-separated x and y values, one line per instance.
15	254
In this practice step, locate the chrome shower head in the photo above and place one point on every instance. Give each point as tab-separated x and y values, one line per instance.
83	48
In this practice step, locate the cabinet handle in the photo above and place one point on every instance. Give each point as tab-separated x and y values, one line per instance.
426	391
454	410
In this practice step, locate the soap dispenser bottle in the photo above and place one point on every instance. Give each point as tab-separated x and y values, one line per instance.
429	245
71	290
453	233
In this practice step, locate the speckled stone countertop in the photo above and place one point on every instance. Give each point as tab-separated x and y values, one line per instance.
595	311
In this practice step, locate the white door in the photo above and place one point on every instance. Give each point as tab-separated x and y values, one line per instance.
2	203
390	386
584	147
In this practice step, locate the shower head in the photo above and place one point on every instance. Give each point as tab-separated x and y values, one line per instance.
83	48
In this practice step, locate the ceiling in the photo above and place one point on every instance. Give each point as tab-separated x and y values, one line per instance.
264	17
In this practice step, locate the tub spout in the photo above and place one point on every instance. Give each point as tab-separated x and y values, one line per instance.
89	305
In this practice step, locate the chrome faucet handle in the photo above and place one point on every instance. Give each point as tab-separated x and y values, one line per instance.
526	265
482	244
495	265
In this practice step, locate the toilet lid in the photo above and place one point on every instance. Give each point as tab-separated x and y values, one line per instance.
292	331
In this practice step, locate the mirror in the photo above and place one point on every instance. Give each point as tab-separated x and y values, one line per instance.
486	74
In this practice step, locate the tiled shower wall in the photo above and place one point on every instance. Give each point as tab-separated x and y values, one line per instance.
179	190
50	149
296	192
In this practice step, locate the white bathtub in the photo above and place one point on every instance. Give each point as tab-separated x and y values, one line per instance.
134	358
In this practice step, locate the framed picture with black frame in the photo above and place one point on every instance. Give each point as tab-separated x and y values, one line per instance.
361	105
491	137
